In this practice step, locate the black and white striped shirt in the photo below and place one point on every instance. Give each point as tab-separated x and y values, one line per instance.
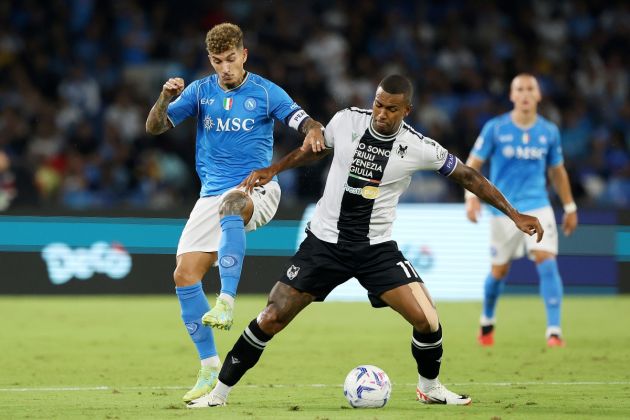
368	174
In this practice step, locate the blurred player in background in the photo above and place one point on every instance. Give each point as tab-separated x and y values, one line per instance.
376	154
523	147
235	112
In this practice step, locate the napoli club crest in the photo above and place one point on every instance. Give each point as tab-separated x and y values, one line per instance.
250	104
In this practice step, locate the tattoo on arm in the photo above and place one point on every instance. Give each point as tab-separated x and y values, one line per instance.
476	183
157	122
308	124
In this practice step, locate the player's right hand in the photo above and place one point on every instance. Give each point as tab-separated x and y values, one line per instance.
473	209
173	87
257	178
529	225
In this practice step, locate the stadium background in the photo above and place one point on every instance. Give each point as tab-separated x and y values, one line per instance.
86	186
77	78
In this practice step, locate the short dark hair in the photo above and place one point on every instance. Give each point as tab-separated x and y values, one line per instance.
395	83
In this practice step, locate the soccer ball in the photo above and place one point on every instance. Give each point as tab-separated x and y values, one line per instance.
367	386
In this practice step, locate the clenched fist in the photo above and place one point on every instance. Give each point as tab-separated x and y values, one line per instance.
173	87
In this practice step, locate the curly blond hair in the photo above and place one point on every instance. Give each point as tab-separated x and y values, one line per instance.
223	37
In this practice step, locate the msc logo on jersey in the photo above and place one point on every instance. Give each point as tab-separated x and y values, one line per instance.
250	104
524	152
229	124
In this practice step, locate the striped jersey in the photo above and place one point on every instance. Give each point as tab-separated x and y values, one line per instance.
368	174
234	127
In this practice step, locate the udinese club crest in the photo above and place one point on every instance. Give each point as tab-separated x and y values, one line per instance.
292	272
402	150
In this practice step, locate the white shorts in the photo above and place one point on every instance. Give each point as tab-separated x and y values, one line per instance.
203	230
508	243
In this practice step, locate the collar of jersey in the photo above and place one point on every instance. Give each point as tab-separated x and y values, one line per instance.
236	87
523	127
380	136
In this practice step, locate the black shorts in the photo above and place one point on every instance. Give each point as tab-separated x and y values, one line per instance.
318	267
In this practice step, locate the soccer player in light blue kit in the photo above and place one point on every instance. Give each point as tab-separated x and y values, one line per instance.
235	112
523	148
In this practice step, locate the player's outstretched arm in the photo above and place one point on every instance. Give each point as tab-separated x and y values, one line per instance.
473	206
476	183
297	157
157	122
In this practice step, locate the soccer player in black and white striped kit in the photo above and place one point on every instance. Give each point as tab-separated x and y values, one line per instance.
375	155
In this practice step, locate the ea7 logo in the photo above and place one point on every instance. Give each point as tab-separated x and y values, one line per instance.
292	272
402	150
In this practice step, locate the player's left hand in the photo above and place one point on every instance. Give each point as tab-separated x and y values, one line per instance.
529	225
314	140
569	223
257	178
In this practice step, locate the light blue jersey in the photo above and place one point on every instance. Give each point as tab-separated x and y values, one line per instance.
519	159
234	127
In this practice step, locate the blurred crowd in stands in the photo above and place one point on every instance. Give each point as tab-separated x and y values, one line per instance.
78	77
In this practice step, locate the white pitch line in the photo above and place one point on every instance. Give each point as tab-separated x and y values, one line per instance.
177	387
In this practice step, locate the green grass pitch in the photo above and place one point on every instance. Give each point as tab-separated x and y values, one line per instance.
130	358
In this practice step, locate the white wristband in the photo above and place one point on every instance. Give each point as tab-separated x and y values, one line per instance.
570	208
468	194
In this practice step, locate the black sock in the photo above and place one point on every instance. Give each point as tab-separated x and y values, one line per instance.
487	329
427	350
244	355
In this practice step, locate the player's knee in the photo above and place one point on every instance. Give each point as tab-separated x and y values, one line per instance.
233	203
540	257
500	271
183	276
272	319
426	323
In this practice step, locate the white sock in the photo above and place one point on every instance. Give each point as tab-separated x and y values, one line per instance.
553	330
221	390
425	384
484	321
213	361
229	299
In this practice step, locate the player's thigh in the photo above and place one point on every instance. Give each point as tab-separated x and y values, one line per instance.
202	232
549	242
262	205
318	267
414	303
383	267
192	266
506	241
